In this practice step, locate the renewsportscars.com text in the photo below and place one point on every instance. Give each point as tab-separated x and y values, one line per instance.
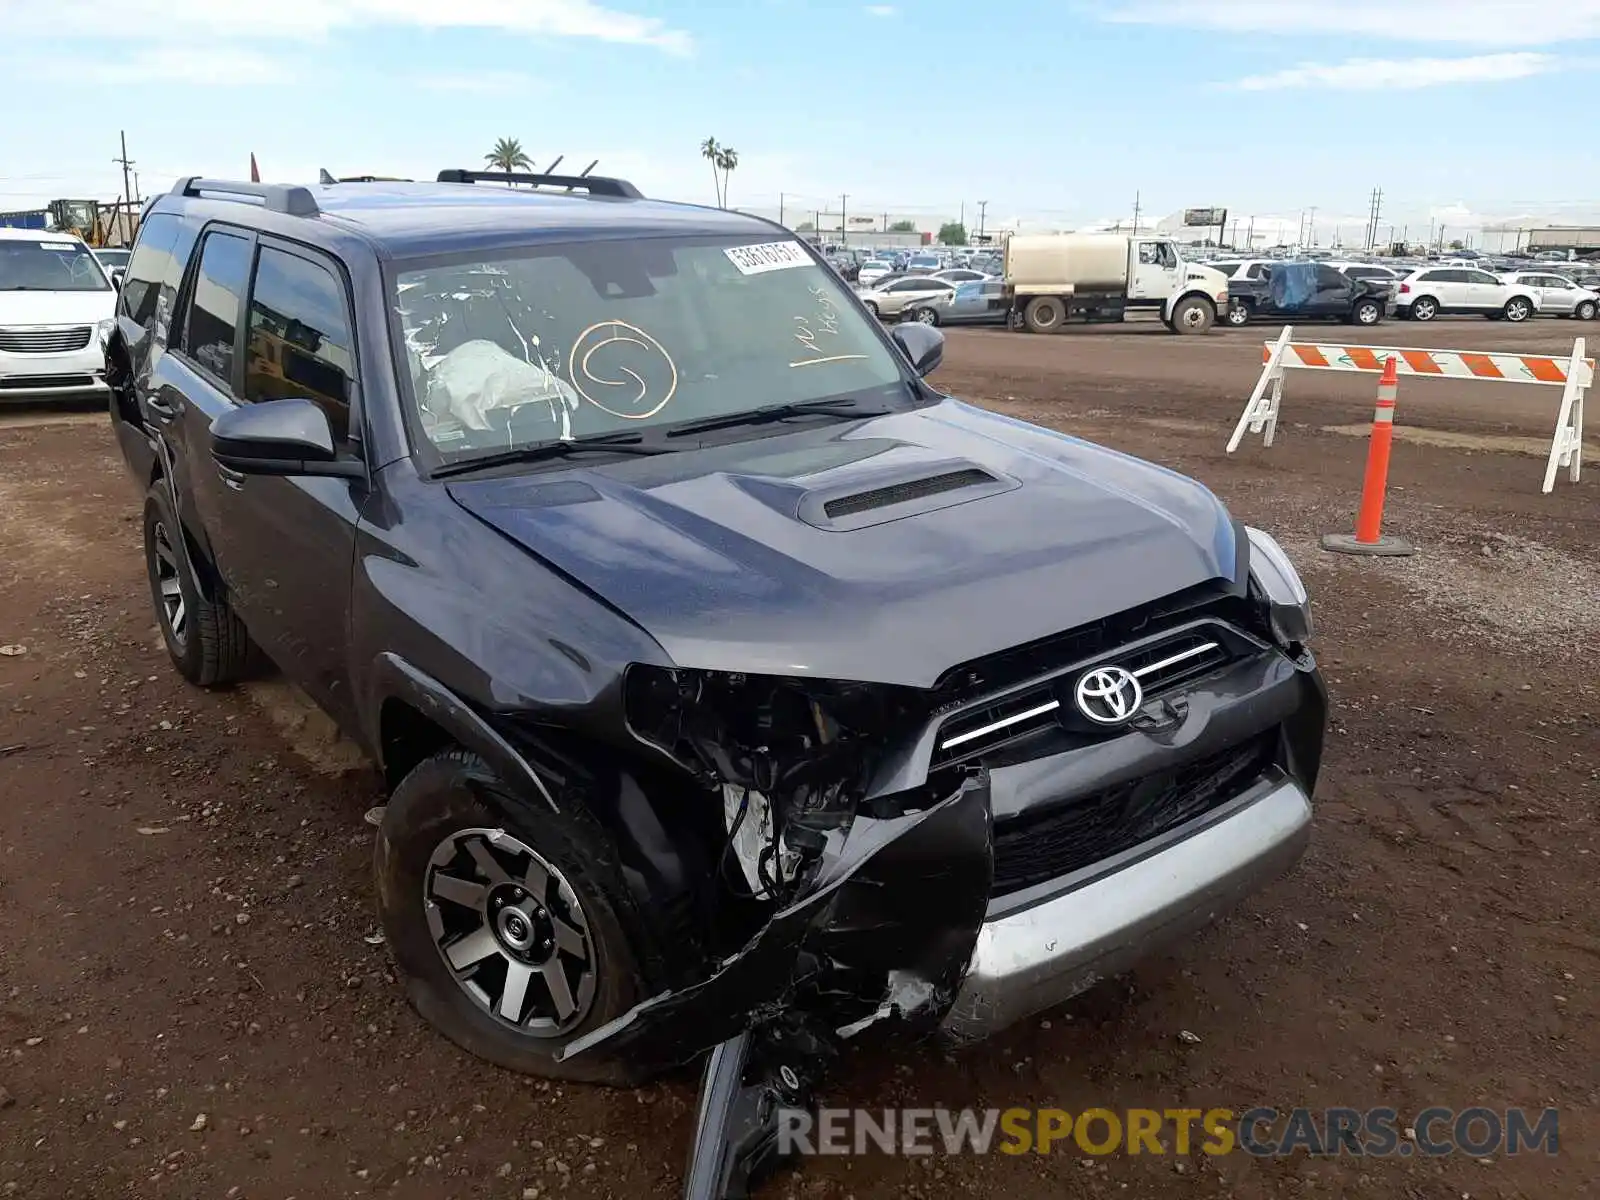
1263	1132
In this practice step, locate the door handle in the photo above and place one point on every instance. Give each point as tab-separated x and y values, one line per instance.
230	478
160	407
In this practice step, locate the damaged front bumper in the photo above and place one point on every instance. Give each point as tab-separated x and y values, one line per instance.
1101	920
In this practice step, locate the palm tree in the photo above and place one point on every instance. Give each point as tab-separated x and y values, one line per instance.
712	152
508	156
727	159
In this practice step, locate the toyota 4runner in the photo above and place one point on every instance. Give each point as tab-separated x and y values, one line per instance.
736	690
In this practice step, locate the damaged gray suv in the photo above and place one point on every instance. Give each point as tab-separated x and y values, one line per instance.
738	692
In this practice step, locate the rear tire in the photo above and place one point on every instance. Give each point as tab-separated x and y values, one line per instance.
452	819
1193	315
1044	314
1424	308
206	641
1367	312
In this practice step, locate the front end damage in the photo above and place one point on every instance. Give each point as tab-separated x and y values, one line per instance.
953	859
864	904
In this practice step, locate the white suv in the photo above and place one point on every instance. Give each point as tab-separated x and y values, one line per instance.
56	310
1429	291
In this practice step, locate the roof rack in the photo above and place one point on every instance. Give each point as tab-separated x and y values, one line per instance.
286	198
325	177
595	185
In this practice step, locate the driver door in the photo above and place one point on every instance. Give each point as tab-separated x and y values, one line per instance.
1155	270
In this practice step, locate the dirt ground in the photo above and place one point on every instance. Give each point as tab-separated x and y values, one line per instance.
193	1004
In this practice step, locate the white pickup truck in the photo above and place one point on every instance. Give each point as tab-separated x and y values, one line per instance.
1051	278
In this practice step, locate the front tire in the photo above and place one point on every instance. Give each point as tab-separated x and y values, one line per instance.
206	641
1238	314
871	307
923	316
504	919
1585	311
1517	310
1193	315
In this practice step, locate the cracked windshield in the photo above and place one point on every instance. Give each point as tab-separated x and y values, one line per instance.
599	338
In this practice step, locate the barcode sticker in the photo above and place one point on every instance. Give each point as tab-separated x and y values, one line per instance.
767	256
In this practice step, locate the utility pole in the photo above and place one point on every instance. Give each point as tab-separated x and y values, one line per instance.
127	187
780	208
842	200
1136	214
983	211
1374	211
1311	229
1250	234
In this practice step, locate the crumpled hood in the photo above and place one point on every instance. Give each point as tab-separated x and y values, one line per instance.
56	308
776	555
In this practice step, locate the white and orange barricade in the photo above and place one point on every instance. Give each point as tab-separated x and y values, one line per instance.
1574	375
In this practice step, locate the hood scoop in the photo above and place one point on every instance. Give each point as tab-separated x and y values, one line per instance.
906	492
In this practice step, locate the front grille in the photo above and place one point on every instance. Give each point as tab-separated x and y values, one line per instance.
32	382
899	493
1034	849
44	341
1160	667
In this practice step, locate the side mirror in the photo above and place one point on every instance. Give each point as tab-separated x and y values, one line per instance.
922	344
117	276
279	437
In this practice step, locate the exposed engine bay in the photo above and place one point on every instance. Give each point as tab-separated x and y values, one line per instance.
865	905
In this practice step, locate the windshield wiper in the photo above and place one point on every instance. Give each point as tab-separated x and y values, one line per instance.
842	406
629	443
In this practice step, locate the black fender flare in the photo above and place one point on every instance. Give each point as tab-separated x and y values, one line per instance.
393	678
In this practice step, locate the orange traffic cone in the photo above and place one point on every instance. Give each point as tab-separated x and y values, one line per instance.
1369	537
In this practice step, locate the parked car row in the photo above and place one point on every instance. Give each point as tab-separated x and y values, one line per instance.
1363	293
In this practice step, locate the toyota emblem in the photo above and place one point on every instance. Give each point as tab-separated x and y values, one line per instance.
1108	695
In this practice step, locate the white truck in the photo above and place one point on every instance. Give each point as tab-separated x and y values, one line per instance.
1051	278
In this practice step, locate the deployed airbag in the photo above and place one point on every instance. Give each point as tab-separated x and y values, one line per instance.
480	377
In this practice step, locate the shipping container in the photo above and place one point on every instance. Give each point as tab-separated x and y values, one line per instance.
26	219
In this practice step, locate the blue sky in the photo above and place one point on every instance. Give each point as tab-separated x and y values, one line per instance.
1058	111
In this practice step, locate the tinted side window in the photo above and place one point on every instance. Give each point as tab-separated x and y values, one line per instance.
1480	277
1330	280
299	341
219	286
152	253
1257	271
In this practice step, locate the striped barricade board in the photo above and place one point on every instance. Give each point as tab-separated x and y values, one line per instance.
1573	374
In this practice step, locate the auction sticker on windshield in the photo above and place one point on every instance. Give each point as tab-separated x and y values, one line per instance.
767	256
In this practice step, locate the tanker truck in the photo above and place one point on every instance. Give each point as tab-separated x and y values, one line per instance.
1051	279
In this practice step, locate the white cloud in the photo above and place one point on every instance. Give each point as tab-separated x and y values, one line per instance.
301	20
481	83
1487	22
1374	74
881	10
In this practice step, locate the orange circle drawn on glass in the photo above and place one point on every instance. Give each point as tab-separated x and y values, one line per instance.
621	334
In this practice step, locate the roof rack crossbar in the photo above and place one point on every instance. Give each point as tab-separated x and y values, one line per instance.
287	198
595	185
